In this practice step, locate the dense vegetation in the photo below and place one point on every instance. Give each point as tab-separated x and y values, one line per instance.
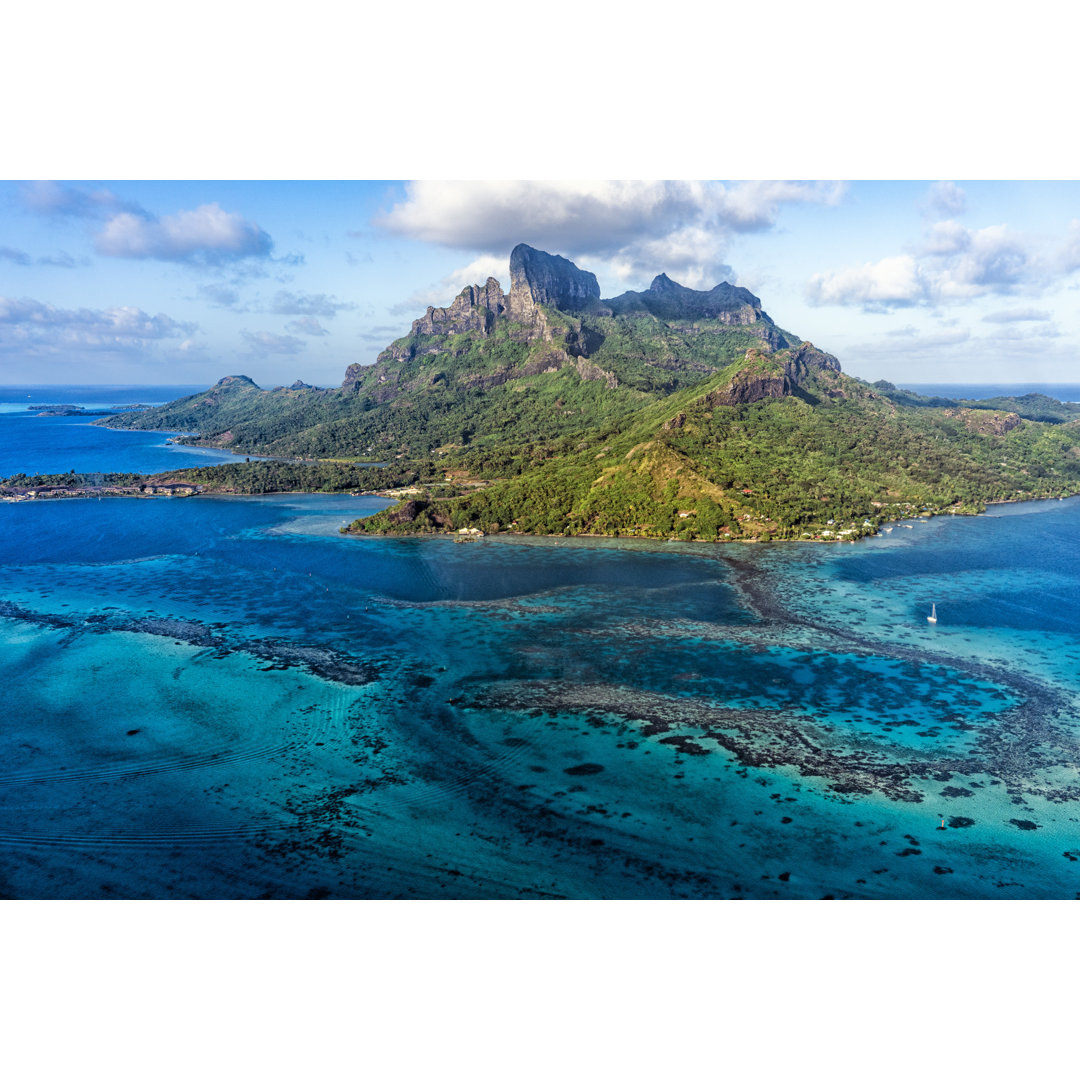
833	464
252	478
71	479
266	477
1038	407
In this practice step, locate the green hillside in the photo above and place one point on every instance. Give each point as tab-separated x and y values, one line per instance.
832	460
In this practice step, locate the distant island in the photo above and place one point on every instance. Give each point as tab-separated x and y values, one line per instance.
78	410
668	413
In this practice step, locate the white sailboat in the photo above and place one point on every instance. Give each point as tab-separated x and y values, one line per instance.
932	617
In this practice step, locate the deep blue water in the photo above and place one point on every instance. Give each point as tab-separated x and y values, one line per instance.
33	443
224	697
19	398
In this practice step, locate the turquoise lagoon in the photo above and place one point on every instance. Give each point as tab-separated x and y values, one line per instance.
224	698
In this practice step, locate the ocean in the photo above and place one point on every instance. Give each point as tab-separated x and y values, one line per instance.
222	697
33	443
974	391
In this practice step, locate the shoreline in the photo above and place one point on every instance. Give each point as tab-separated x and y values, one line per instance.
49	495
188	489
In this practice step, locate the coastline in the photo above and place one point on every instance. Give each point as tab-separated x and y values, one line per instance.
151	490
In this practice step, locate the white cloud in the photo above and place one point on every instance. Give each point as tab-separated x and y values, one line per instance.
262	342
693	256
307	325
636	227
41	328
51	199
954	263
1012	315
21	258
946	238
479	270
220	295
62	259
755	204
207	234
1025	333
990	260
1067	257
288	303
891	282
945	197
443	292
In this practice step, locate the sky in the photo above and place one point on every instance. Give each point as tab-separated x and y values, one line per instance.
155	282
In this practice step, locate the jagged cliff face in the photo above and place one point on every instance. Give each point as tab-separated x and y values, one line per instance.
554	308
668	300
539	278
723	306
476	307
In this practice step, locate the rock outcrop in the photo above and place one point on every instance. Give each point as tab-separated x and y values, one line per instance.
354	375
806	360
590	372
773	376
475	308
539	278
986	422
669	301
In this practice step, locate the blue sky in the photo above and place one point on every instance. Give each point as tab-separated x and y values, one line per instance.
105	281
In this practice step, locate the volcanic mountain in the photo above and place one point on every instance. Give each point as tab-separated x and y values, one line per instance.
667	412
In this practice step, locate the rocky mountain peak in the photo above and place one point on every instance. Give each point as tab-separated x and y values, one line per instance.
539	278
474	308
667	300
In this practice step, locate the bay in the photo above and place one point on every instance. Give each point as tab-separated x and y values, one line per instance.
31	443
